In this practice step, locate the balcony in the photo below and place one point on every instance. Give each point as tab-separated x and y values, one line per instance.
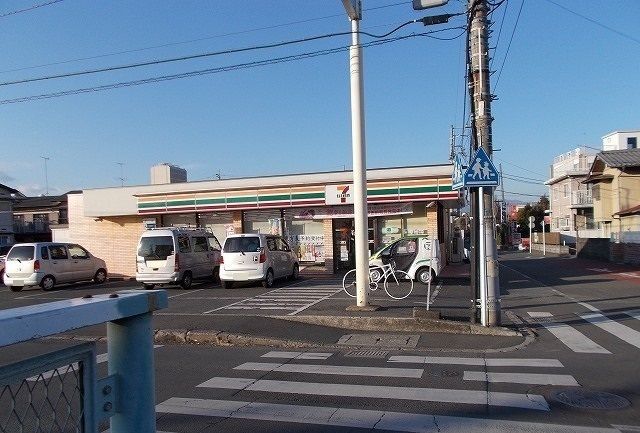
31	227
581	198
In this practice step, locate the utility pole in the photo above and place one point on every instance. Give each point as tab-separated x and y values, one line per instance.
121	164
488	283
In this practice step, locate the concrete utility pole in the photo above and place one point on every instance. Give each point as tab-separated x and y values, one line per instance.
479	79
360	215
46	174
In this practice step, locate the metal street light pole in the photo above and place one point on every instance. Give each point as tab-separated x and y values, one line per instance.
354	11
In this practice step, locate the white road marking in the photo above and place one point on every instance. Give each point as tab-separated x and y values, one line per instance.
621	331
633	313
528	378
297	355
569	336
100	358
460	396
340	370
360	418
538	314
489	362
626	428
189	292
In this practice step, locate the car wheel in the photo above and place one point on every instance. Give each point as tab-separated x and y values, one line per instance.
296	272
425	276
100	276
15	288
268	280
216	275
187	279
227	284
148	286
48	283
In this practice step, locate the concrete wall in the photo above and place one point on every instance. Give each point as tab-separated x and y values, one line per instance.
593	248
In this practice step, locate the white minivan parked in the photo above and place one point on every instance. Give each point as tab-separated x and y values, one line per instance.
46	264
256	257
176	255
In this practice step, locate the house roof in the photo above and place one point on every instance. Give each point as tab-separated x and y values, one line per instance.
11	190
631	211
40	202
620	158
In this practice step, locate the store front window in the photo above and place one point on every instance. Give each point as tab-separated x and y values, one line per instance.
220	223
267	222
306	237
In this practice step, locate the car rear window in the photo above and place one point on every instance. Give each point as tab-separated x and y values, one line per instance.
156	247
249	244
21	253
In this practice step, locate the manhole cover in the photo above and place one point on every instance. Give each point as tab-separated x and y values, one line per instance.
367	354
584	399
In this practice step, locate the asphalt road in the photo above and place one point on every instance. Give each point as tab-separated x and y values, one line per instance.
584	316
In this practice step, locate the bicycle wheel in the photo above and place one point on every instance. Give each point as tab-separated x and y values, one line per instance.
398	285
349	283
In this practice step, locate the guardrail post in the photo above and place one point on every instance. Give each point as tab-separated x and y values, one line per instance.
130	343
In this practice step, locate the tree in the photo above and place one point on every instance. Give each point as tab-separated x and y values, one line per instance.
537	211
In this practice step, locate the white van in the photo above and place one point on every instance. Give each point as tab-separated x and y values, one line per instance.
176	255
46	264
256	257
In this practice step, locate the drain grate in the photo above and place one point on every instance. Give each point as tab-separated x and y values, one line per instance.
367	354
584	399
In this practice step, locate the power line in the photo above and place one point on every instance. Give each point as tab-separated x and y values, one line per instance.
624	35
521	168
499	32
201	55
524	177
521	180
170	44
30	8
523	194
209	71
515	26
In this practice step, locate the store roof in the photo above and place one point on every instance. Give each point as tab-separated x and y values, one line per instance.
635	210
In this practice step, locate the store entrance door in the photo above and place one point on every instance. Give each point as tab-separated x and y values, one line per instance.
343	244
344	252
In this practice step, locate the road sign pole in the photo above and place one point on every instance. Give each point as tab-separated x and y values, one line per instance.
544	241
483	260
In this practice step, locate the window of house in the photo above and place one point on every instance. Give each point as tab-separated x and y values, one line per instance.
566	190
632	142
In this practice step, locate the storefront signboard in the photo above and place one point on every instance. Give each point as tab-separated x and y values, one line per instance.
390	230
338	194
230	229
374	210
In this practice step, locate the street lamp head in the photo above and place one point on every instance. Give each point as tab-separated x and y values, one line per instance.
353	8
425	4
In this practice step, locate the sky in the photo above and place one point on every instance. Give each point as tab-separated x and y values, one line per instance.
565	73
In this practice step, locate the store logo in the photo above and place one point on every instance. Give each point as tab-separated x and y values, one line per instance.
344	195
339	194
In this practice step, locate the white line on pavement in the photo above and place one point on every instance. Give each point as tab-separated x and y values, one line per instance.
621	331
190	292
528	378
341	370
360	418
489	362
314	303
297	355
461	396
571	337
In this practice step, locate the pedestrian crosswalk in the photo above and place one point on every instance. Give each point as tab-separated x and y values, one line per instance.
260	391
290	299
577	341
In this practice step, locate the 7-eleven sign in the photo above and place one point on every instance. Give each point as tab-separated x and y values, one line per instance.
338	194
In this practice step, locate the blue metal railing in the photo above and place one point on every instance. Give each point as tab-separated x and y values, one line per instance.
126	395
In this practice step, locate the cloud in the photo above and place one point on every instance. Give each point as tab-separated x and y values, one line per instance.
34	190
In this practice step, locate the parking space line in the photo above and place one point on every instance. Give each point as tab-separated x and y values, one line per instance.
189	292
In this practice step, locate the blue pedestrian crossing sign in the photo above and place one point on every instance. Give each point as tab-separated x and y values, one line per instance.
481	171
457	176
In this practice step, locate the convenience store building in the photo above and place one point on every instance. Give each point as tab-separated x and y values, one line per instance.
313	211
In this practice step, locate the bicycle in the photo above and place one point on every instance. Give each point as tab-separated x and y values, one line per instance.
397	284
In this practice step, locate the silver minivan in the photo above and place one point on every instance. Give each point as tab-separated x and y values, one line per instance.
46	264
256	257
176	255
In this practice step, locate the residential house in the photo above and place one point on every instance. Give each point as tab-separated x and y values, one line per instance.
570	200
621	140
34	218
614	177
7	196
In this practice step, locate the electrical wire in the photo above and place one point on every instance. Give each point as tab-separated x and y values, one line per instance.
515	26
209	71
170	44
499	33
30	8
521	180
208	54
624	35
521	168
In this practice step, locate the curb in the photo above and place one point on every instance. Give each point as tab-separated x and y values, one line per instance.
221	338
401	325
